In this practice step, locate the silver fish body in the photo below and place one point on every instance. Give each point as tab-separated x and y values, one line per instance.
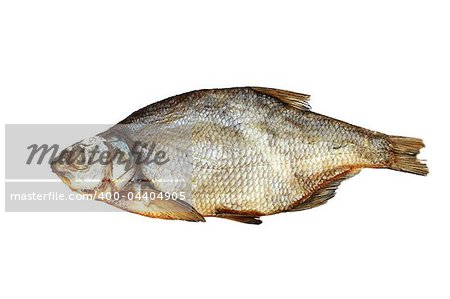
242	153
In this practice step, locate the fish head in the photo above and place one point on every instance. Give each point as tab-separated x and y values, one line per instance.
96	164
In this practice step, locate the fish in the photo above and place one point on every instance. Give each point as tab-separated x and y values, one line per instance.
233	153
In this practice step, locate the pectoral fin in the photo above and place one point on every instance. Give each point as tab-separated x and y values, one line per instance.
174	209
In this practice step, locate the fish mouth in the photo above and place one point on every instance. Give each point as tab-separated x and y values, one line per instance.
58	171
65	180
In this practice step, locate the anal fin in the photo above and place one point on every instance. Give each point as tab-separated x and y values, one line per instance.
325	193
241	218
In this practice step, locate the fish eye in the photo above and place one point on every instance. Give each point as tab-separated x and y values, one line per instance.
79	163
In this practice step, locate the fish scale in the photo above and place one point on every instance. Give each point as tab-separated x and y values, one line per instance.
318	159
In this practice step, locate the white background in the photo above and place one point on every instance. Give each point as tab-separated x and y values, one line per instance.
383	65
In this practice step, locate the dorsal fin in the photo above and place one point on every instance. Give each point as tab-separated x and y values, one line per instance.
325	193
290	98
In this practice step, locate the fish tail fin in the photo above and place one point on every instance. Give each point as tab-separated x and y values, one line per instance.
404	152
